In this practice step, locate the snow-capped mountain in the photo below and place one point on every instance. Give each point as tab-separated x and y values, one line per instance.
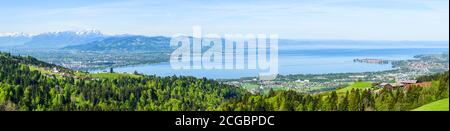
14	39
15	34
63	38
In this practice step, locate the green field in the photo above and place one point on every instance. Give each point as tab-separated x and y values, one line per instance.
441	105
249	85
43	71
81	74
355	85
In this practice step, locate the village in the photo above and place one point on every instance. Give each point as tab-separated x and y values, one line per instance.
389	80
404	75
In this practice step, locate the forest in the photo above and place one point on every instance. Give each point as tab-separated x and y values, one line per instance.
25	89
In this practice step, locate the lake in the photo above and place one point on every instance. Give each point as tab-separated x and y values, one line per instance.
293	61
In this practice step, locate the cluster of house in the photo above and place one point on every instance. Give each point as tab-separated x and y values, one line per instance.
62	73
402	84
65	74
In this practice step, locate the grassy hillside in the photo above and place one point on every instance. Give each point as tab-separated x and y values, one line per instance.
441	105
355	85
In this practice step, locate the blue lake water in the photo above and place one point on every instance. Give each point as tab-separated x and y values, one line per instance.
294	61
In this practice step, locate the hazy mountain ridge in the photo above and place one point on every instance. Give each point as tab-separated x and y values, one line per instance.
62	39
14	39
93	40
127	43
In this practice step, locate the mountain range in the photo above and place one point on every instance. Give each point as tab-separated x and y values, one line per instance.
63	39
49	39
127	43
14	39
92	40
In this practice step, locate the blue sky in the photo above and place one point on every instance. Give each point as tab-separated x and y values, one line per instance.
295	19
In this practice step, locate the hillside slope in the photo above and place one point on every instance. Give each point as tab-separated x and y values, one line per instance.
441	105
32	88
